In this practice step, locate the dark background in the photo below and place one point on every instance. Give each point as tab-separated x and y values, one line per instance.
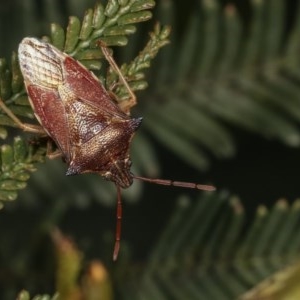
261	172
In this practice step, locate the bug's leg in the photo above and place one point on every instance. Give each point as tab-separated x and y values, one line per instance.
50	153
24	126
125	105
113	86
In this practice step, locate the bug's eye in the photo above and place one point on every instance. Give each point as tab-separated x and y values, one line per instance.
128	162
107	176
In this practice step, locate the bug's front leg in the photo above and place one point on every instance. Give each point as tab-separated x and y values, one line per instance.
24	126
46	142
127	104
50	152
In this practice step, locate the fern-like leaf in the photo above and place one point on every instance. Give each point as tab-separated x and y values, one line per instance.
16	164
208	249
206	252
223	73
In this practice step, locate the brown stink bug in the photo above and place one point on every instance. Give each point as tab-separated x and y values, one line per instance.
91	131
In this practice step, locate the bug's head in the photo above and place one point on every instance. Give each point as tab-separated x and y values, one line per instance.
119	173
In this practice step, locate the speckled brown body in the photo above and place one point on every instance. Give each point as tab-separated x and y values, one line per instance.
73	107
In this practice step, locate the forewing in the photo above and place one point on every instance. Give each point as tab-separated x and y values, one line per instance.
50	111
69	101
88	88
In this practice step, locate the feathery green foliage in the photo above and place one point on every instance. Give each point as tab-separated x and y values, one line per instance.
223	258
17	162
217	80
220	72
224	72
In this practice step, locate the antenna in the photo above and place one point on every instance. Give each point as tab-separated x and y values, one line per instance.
182	184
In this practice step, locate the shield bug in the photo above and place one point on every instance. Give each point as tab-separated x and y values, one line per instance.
92	132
